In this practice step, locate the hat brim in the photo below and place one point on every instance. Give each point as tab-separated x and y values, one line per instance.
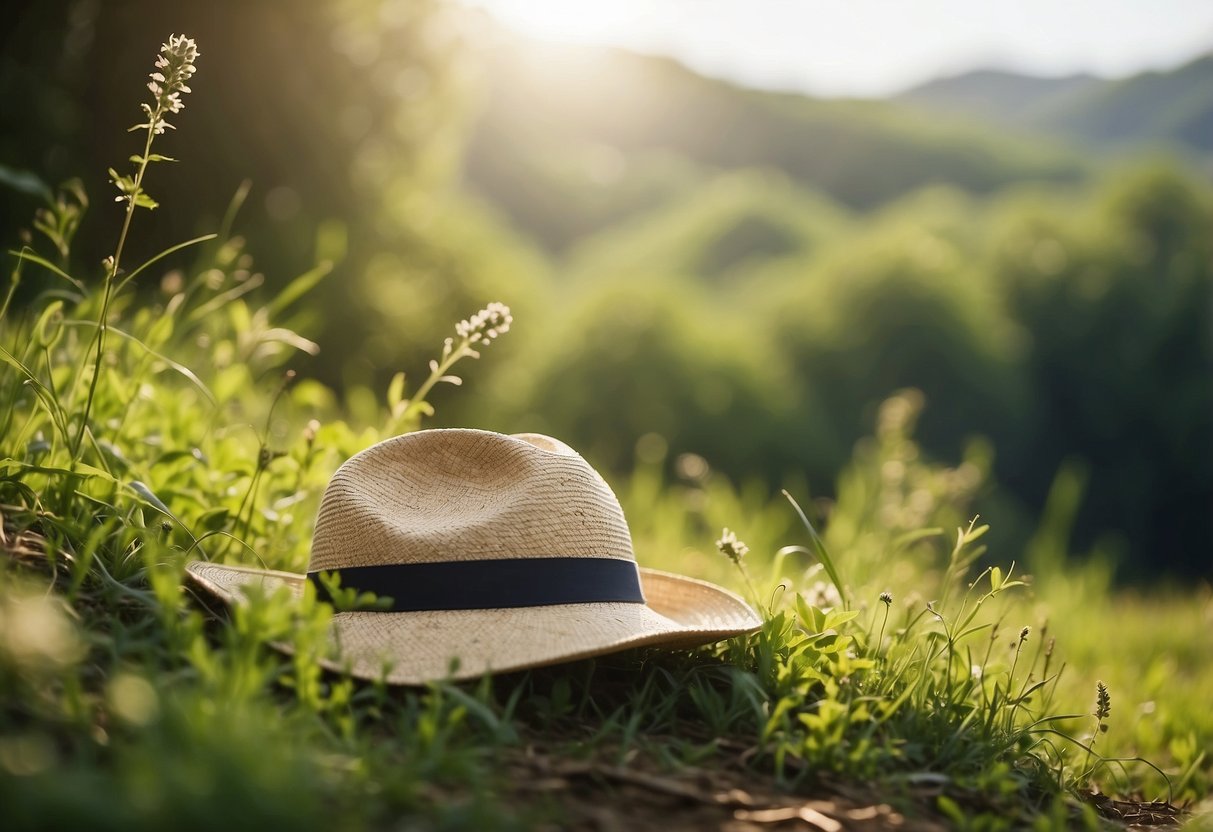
413	648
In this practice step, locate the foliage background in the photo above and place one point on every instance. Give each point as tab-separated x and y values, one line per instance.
745	274
908	319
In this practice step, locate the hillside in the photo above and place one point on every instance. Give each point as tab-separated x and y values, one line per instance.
718	232
1173	108
997	96
568	141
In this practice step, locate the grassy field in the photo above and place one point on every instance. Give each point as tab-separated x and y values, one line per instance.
903	674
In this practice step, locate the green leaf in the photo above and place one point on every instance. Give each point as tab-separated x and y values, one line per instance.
299	287
832	644
82	472
214	519
819	547
1023	697
781	708
48	265
395	392
349	599
114	453
835	618
995	579
25	182
45	396
142	200
233	207
224	299
189	374
813	619
148	496
238	314
172	456
290	338
92	471
503	729
805	613
976	628
49	325
951	809
152	157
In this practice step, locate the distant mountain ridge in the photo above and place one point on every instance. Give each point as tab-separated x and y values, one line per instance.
1173	108
996	95
571	140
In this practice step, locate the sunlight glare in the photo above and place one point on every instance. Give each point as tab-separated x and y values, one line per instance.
573	23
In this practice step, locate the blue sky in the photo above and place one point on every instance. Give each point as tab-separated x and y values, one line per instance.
873	47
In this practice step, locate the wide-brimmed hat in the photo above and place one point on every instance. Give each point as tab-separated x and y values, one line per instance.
487	553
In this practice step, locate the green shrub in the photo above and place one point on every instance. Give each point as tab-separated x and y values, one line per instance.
1116	301
645	356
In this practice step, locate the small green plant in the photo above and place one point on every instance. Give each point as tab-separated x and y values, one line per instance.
349	599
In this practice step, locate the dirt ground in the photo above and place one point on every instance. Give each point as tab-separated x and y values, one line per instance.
612	798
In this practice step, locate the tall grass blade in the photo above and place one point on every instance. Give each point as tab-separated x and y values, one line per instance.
170	250
299	287
819	549
177	367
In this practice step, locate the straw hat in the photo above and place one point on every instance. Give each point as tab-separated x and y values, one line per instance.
489	553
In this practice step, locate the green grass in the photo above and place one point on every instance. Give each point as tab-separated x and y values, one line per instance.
127	703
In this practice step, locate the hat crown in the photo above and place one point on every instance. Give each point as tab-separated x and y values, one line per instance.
462	495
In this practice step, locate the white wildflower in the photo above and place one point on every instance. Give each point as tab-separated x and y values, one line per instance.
731	547
174	68
489	323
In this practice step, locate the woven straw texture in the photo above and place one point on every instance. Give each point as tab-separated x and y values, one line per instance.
451	495
418	647
458	495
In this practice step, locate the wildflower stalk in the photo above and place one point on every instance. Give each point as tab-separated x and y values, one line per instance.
1023	636
265	456
1014	702
176	59
480	330
735	549
111	270
949	646
886	598
439	371
1103	707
